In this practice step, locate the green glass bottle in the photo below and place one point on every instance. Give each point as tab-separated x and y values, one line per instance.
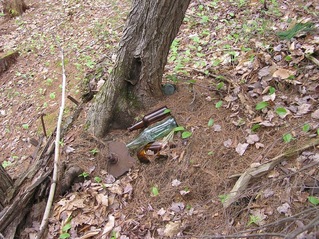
153	132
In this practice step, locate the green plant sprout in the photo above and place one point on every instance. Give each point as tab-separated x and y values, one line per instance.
186	134
287	138
154	191
52	95
253	220
219	104
255	127
210	122
94	151
25	126
297	28
67	226
305	128
6	164
97	179
223	197
84	175
220	85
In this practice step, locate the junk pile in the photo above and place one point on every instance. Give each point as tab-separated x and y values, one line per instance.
157	131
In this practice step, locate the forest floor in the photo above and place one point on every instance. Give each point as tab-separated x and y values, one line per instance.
247	94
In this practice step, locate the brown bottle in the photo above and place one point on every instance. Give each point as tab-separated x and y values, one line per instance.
153	148
151	118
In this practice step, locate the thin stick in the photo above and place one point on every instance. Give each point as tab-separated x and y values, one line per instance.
257	235
73	100
45	218
43	126
300	230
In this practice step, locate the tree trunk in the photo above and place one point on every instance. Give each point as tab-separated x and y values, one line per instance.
14	8
135	82
5	183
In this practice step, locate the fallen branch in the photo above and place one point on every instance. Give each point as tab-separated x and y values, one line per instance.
253	173
257	235
313	59
45	218
300	230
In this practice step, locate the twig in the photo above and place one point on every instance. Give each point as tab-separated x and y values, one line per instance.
300	230
45	218
73	100
43	126
257	235
231	82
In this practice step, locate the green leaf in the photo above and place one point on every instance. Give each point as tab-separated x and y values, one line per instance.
288	58
52	95
167	111
255	127
64	235
25	126
191	82
253	220
97	179
287	138
271	90
220	85
94	151
281	111
298	27
179	128
155	191
66	227
6	164
223	197
313	200
84	175
261	105
306	128
210	122
317	131
219	104
186	134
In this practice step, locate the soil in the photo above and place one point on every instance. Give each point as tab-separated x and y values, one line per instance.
179	195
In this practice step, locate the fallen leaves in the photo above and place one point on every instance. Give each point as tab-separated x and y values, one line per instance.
88	209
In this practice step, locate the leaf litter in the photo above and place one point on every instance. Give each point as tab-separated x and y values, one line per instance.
247	57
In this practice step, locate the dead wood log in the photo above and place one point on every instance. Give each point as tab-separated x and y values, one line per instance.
7	59
5	183
256	172
27	187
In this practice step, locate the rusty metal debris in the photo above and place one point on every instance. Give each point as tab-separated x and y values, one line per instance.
119	160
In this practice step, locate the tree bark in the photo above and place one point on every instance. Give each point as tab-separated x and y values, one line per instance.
135	82
14	8
5	183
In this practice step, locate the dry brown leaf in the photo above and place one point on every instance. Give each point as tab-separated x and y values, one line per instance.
241	148
172	228
283	73
108	226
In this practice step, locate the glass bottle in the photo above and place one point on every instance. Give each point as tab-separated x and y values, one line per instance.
154	147
153	132
151	118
